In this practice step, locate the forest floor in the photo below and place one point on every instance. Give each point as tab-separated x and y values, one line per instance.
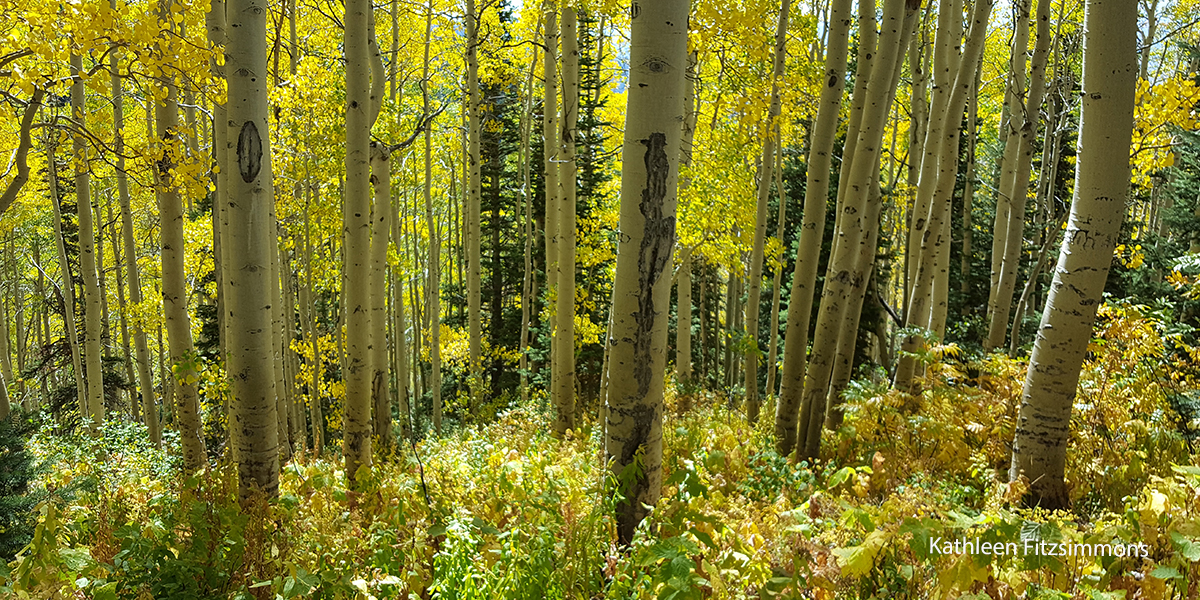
504	510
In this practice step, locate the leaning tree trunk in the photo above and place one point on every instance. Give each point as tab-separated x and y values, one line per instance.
816	194
251	244
94	376
642	287
1110	70
766	162
184	366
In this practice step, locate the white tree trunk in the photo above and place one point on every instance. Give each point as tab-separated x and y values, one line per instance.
564	348
642	288
94	377
1110	69
250	199
816	194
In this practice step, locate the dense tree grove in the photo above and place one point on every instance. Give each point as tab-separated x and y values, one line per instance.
587	298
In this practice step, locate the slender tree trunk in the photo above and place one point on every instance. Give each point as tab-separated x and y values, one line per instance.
642	288
93	375
550	169
843	280
766	162
174	280
1101	184
777	269
1015	185
683	322
401	327
381	178
968	226
68	285
564	350
528	283
433	288
317	365
816	194
931	253
474	99
356	217
249	203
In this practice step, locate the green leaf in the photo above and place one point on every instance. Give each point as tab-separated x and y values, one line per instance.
840	477
1187	547
1165	572
107	591
76	559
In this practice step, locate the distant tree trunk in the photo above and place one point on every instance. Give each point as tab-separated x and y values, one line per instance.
766	162
930	252
683	321
474	316
174	279
94	376
433	287
968	227
306	304
564	383
1110	71
776	269
250	245
401	327
528	283
816	195
68	285
277	352
552	203
1015	184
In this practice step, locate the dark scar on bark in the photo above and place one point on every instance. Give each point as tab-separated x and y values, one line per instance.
249	152
654	255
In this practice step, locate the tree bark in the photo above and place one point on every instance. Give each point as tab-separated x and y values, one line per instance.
564	314
816	195
777	269
250	242
93	375
550	147
1110	69
473	233
642	287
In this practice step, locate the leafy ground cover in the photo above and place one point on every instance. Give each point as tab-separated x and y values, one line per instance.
507	511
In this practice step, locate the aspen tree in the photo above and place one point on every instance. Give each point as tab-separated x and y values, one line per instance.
215	26
381	177
94	377
356	244
473	233
550	167
564	314
528	283
68	285
844	280
816	194
251	242
938	182
683	321
766	162
316	414
1110	69
777	275
1015	183
433	287
642	288
174	282
381	208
